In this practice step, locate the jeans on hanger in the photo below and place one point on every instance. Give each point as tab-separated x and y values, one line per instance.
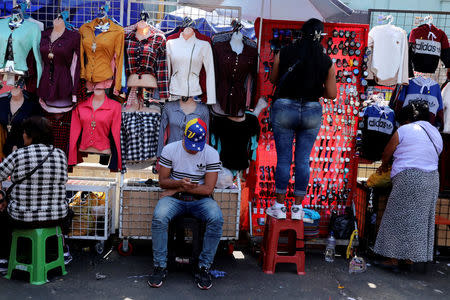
205	209
300	120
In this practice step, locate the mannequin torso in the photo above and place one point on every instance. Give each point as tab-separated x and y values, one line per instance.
17	100
236	42
97	102
145	80
189	106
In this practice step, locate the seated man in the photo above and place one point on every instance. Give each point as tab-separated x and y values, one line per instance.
188	173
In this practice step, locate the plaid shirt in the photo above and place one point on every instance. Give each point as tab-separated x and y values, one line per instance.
148	57
42	197
139	136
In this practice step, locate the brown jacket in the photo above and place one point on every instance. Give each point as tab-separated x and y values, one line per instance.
97	66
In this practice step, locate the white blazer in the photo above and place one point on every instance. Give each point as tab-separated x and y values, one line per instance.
185	60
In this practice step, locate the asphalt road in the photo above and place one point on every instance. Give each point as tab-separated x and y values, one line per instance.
126	279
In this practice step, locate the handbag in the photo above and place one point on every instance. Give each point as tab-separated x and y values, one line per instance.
283	78
342	225
435	148
9	190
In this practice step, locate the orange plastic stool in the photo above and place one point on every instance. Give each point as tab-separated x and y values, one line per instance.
295	246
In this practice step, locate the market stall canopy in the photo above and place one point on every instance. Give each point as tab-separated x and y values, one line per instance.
296	10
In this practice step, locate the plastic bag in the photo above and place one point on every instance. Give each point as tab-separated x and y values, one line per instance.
357	265
382	180
224	179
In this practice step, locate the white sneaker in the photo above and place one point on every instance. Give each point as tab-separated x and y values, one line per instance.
297	213
3	266
276	212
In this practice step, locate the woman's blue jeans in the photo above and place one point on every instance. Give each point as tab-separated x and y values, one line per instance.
300	120
205	209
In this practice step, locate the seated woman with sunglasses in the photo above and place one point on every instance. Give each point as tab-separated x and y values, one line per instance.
39	200
303	74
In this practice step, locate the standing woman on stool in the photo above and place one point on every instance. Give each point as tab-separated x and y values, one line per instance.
303	73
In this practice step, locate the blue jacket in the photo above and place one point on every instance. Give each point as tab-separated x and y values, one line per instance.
24	38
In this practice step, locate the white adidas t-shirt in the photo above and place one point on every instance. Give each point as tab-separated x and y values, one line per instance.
186	165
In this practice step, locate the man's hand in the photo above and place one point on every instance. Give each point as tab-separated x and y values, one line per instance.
186	185
383	168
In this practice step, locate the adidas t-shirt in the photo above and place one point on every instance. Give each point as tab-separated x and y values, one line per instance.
186	165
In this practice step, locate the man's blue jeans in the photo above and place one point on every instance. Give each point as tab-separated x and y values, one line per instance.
292	118
205	209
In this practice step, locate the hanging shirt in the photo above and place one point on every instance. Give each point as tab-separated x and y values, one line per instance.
60	130
174	34
139	136
99	52
379	126
446	104
13	122
99	129
234	140
174	119
428	44
186	58
388	58
232	71
423	89
60	77
25	38
148	57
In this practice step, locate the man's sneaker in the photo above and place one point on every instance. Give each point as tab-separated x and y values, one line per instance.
297	213
67	258
203	279
276	212
3	266
156	279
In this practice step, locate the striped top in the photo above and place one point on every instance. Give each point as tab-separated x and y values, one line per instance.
186	165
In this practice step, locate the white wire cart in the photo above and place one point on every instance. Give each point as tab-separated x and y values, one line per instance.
93	204
138	201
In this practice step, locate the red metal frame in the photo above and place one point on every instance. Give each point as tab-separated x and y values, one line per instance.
266	154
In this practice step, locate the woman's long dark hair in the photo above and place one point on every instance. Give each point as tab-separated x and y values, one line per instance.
314	62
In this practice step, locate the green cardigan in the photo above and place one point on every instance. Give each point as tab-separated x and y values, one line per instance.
24	38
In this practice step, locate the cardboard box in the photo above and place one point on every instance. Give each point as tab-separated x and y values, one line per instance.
138	207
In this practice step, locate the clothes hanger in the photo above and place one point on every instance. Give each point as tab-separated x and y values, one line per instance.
188	22
382	18
145	16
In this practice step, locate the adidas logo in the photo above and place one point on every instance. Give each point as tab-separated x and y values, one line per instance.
201	166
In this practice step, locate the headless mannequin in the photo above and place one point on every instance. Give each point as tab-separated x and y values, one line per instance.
17	100
188	106
188	32
145	80
236	42
59	27
15	104
97	101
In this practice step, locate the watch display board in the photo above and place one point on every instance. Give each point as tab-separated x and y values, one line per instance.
333	159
